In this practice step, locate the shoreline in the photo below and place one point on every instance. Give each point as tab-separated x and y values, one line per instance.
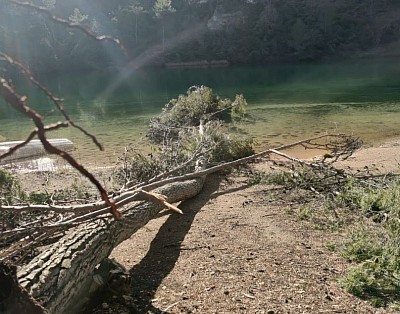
381	155
382	158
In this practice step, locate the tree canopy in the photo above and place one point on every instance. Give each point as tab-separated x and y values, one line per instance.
239	31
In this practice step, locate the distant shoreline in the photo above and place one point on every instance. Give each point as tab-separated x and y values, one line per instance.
198	64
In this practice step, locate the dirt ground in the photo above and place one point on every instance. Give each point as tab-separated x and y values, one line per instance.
238	248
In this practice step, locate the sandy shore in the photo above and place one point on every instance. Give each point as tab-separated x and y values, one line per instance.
243	248
382	158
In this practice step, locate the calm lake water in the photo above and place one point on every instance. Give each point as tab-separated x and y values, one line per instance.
288	102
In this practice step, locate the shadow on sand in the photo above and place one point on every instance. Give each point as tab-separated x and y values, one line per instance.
165	249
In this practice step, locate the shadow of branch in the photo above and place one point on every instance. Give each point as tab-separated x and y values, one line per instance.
165	249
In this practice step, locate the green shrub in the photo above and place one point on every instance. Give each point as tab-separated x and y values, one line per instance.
199	106
375	248
282	178
10	189
135	166
39	198
377	199
221	144
372	280
197	126
10	193
363	244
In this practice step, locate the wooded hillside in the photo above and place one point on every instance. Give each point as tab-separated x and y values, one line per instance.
157	32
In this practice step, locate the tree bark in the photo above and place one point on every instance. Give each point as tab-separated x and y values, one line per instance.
60	277
13	298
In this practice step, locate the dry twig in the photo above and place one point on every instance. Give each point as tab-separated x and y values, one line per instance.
57	101
59	20
20	103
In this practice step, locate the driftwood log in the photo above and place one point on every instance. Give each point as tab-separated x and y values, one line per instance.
60	277
33	149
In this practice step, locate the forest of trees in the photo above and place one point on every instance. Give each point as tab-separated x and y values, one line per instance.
160	31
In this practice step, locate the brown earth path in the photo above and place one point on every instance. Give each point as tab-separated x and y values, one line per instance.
237	249
240	249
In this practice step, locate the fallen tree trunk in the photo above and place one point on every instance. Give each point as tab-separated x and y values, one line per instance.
60	277
13	298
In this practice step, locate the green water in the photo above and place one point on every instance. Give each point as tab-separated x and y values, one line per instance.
287	102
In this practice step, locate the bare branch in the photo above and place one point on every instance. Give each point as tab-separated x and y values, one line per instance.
234	163
133	193
12	150
45	11
20	104
57	101
48	128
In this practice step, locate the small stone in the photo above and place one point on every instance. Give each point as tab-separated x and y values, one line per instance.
127	298
271	312
105	306
328	297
